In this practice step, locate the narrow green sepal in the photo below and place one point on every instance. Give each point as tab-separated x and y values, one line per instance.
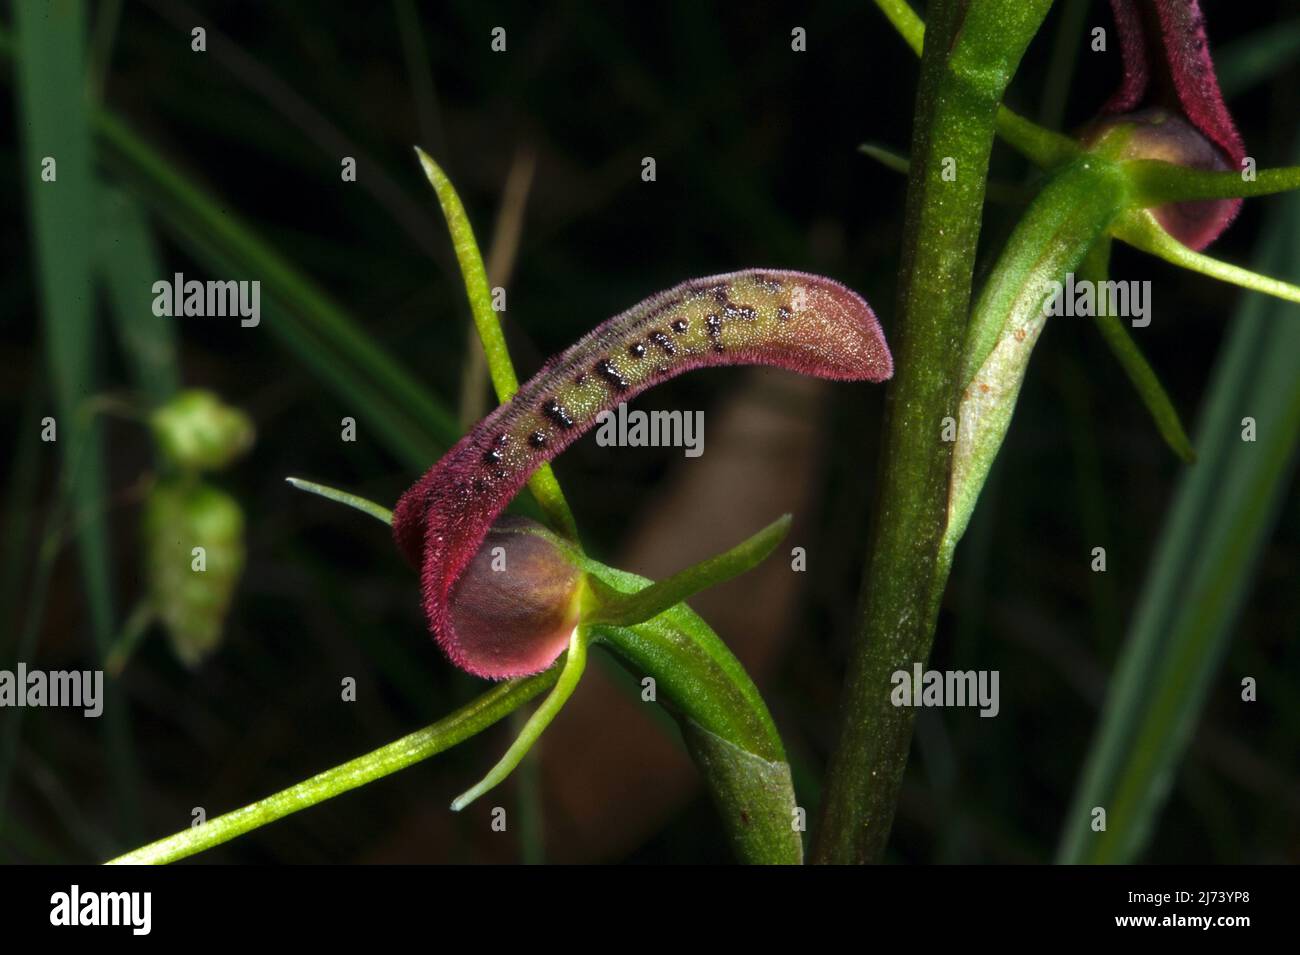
621	609
1155	183
377	511
571	670
543	484
1096	268
1139	229
1148	386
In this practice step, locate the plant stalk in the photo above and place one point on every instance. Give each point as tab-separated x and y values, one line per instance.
972	48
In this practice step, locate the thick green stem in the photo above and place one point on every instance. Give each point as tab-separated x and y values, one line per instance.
1039	145
971	51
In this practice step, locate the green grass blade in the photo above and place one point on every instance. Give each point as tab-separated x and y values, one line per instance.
128	265
53	111
1256	57
21	503
308	313
1204	564
393	425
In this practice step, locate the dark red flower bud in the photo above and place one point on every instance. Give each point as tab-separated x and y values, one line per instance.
1167	67
1159	134
514	607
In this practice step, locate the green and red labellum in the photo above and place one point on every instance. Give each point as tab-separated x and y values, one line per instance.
804	323
1167	67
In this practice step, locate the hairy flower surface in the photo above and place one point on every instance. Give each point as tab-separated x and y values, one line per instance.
804	323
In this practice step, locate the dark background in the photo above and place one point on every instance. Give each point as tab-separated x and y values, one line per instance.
757	164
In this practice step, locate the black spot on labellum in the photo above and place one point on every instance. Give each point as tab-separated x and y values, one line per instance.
537	439
714	324
502	439
636	349
480	485
783	313
499	473
492	456
719	293
580	378
680	325
609	371
664	342
738	311
557	413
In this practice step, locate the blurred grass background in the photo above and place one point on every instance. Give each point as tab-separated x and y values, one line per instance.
226	164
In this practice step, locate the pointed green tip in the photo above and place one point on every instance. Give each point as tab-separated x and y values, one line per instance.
1139	229
377	511
886	157
432	171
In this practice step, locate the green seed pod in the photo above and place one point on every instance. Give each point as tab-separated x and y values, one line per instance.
194	542
196	431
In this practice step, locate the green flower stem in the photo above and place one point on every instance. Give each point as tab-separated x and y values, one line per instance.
1043	147
543	484
1140	230
575	662
972	52
1155	183
469	720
